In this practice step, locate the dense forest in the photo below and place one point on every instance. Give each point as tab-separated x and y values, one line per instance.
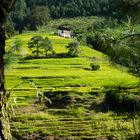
30	14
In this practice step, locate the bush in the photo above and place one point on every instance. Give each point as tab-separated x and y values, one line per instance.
59	99
94	66
113	98
121	100
73	49
101	41
77	111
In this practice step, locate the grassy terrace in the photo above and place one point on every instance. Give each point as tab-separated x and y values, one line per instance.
60	77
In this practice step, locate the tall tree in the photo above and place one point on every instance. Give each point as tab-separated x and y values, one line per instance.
47	46
18	14
39	16
5	8
127	7
35	43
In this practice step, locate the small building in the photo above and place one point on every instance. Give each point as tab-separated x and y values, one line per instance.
64	31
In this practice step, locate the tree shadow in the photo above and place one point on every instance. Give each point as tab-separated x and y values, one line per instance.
60	55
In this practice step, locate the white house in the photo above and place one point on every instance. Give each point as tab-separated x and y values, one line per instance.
64	31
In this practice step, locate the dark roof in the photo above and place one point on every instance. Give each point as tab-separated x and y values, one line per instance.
64	28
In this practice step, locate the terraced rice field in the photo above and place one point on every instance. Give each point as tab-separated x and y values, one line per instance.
82	115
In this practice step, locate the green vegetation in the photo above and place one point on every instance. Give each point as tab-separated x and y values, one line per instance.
39	16
120	43
123	100
42	46
77	110
28	15
47	46
73	49
94	66
67	89
35	42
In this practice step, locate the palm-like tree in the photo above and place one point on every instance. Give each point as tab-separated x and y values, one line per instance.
5	8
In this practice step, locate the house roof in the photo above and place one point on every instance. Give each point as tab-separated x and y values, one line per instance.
64	28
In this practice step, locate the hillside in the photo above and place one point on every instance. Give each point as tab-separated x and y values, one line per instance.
77	110
28	15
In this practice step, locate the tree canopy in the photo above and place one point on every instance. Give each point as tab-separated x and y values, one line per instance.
32	13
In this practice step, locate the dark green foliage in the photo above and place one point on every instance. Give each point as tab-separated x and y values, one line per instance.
27	14
39	16
120	43
59	99
127	7
33	13
47	46
122	100
35	43
105	23
41	46
73	49
101	41
9	28
94	66
18	15
128	52
72	8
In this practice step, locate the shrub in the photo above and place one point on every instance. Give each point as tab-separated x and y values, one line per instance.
132	102
101	41
73	49
94	66
59	99
121	100
77	111
113	98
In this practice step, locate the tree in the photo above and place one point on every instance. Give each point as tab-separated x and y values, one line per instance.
5	8
39	16
15	48
9	27
18	14
47	46
73	49
12	51
127	7
35	42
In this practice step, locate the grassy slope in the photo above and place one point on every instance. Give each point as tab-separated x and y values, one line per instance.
66	74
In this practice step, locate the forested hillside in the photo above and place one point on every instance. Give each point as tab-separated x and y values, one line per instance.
30	14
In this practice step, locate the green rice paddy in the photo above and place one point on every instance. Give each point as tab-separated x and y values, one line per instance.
73	76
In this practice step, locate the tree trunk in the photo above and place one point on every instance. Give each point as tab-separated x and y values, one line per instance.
5	134
4	121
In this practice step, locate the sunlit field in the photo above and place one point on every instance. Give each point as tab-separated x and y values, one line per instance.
33	82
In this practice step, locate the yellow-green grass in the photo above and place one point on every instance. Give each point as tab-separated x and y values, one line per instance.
65	74
57	42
